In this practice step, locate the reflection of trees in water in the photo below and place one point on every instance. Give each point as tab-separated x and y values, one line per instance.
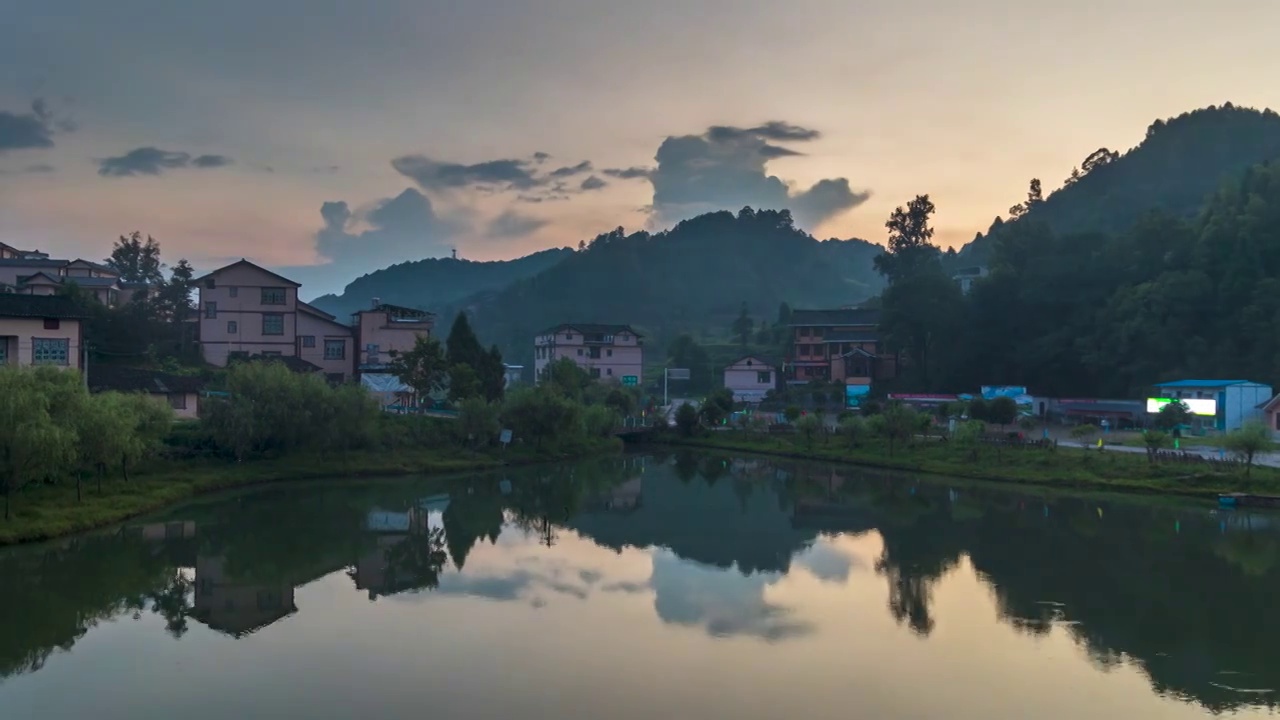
415	561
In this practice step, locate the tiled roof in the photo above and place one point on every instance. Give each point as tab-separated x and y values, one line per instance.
255	266
762	359
41	263
832	318
39	306
126	379
89	281
591	329
293	362
308	307
96	266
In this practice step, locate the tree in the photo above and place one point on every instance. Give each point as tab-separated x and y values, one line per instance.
909	246
566	377
969	436
137	261
1002	411
791	413
898	423
979	409
1154	440
743	326
104	429
541	413
717	406
477	422
32	446
1173	415
487	376
809	427
1251	438
493	375
463	383
685	352
853	429
621	401
423	368
686	419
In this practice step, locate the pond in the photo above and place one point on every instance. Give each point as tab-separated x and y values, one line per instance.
684	585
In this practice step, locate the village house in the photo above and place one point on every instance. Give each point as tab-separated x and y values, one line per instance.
40	330
31	272
841	346
605	351
1221	405
248	311
750	378
179	392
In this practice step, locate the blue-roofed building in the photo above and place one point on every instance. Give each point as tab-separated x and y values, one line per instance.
1221	405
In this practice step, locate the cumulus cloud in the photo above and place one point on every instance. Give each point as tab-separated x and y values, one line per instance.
724	168
541	157
511	224
722	603
592	183
154	161
29	130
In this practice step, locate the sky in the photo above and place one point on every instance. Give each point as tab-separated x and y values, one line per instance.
327	139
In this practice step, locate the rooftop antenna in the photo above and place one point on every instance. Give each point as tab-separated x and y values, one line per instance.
455	253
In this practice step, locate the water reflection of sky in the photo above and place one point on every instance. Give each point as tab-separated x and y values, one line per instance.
738	612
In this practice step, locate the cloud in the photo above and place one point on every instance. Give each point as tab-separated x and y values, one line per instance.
211	161
492	174
631	173
25	131
541	157
725	168
36	169
511	224
722	603
570	171
154	161
592	183
401	228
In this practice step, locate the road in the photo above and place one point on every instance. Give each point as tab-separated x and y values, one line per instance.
1264	459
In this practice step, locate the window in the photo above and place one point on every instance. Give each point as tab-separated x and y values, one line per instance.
233	291
48	351
178	401
232	328
272	324
308	341
764	377
593	353
568	336
211	310
609	353
51	323
4	352
210	284
608	371
579	352
335	349
272	296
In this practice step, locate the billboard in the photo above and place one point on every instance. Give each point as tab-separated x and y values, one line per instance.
855	395
1205	407
1017	393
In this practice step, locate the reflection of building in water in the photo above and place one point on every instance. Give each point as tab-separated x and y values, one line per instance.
622	498
174	540
238	608
391	564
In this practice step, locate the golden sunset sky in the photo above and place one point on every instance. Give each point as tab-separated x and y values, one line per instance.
223	129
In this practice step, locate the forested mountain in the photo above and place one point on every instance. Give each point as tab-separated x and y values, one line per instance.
693	277
1176	167
1099	315
432	283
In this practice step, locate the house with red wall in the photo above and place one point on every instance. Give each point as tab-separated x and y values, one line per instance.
842	346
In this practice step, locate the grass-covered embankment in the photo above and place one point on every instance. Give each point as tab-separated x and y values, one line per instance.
1061	467
42	512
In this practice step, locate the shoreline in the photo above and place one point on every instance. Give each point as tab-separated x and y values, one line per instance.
51	512
1194	483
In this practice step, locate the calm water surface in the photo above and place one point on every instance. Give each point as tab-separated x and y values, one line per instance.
678	586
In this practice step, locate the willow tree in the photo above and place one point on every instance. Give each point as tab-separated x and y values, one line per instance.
32	445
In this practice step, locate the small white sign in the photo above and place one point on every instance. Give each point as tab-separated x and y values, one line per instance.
505	437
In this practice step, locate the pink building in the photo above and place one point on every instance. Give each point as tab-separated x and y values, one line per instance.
246	309
40	331
34	273
750	378
605	351
385	329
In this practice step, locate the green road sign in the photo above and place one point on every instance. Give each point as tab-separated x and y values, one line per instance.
630	380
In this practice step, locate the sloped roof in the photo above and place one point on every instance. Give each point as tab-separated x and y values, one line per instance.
1204	383
39	306
309	308
292	362
32	263
90	281
96	266
591	329
34	278
831	318
127	379
255	266
763	360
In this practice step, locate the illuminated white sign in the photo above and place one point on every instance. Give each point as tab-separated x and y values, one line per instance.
1207	407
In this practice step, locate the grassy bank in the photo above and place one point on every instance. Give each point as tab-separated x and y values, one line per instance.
1060	467
42	512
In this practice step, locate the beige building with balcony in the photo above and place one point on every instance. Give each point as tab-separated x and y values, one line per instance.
40	330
